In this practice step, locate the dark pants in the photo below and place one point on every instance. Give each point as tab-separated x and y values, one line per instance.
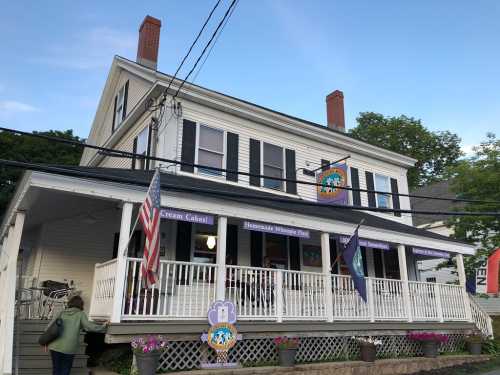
61	363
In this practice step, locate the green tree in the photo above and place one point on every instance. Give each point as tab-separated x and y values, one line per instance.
29	149
434	151
478	177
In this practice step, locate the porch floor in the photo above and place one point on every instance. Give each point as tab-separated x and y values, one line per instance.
189	329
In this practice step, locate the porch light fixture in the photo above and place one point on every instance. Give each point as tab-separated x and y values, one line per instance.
211	242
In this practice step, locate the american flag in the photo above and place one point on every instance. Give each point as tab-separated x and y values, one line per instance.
149	215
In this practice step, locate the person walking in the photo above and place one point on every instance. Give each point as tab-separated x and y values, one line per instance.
64	348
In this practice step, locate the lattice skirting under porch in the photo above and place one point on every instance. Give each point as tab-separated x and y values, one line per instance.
183	355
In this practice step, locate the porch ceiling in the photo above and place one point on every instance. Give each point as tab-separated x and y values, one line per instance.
43	206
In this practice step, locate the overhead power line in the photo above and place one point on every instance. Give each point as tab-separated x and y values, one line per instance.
226	194
126	154
191	47
228	11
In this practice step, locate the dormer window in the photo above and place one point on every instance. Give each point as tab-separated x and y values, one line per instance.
120	106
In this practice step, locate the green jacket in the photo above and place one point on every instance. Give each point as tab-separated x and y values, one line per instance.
74	320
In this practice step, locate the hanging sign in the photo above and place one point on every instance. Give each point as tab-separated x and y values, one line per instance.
330	180
367	243
482	276
276	229
222	334
430	252
192	217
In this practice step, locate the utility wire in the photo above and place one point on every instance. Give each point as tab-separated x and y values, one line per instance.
206	47
126	154
190	48
226	194
214	43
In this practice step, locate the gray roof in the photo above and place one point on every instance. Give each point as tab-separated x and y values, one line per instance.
439	190
245	195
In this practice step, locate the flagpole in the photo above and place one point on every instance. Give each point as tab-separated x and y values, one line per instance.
125	250
350	238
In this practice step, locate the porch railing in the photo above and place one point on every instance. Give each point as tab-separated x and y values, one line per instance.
481	318
186	291
103	290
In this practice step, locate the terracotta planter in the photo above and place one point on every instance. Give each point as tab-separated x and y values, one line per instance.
430	349
287	357
368	352
147	363
474	348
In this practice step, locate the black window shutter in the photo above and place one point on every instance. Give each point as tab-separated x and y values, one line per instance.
333	256
188	145
378	263
356	195
255	249
291	187
232	243
395	198
148	151
372	202
325	165
114	114
294	253
125	99
116	240
134	151
232	156
255	162
363	255
183	242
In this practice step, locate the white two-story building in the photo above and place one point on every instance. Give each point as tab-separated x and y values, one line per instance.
266	244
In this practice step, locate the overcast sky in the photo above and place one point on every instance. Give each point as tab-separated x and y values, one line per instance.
434	60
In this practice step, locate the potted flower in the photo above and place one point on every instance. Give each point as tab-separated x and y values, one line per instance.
474	343
147	351
429	342
287	349
367	347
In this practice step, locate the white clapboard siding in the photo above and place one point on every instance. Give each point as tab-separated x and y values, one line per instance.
306	151
69	249
101	131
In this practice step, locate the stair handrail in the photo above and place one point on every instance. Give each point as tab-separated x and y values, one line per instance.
481	318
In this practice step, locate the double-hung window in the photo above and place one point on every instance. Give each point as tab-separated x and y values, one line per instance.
382	184
210	149
120	107
142	148
273	166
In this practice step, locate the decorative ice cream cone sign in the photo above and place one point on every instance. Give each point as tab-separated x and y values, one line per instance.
222	334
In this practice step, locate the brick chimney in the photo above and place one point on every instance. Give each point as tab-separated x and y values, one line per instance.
335	110
149	42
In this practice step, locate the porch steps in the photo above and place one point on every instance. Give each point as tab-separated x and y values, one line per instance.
30	358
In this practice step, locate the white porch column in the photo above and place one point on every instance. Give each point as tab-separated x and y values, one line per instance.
121	262
403	274
7	331
327	267
459	258
3	297
220	291
460	269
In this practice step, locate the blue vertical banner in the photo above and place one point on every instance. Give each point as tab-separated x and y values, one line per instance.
354	261
331	183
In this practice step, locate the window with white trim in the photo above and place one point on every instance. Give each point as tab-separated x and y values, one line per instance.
273	166
382	183
120	103
210	149
142	148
